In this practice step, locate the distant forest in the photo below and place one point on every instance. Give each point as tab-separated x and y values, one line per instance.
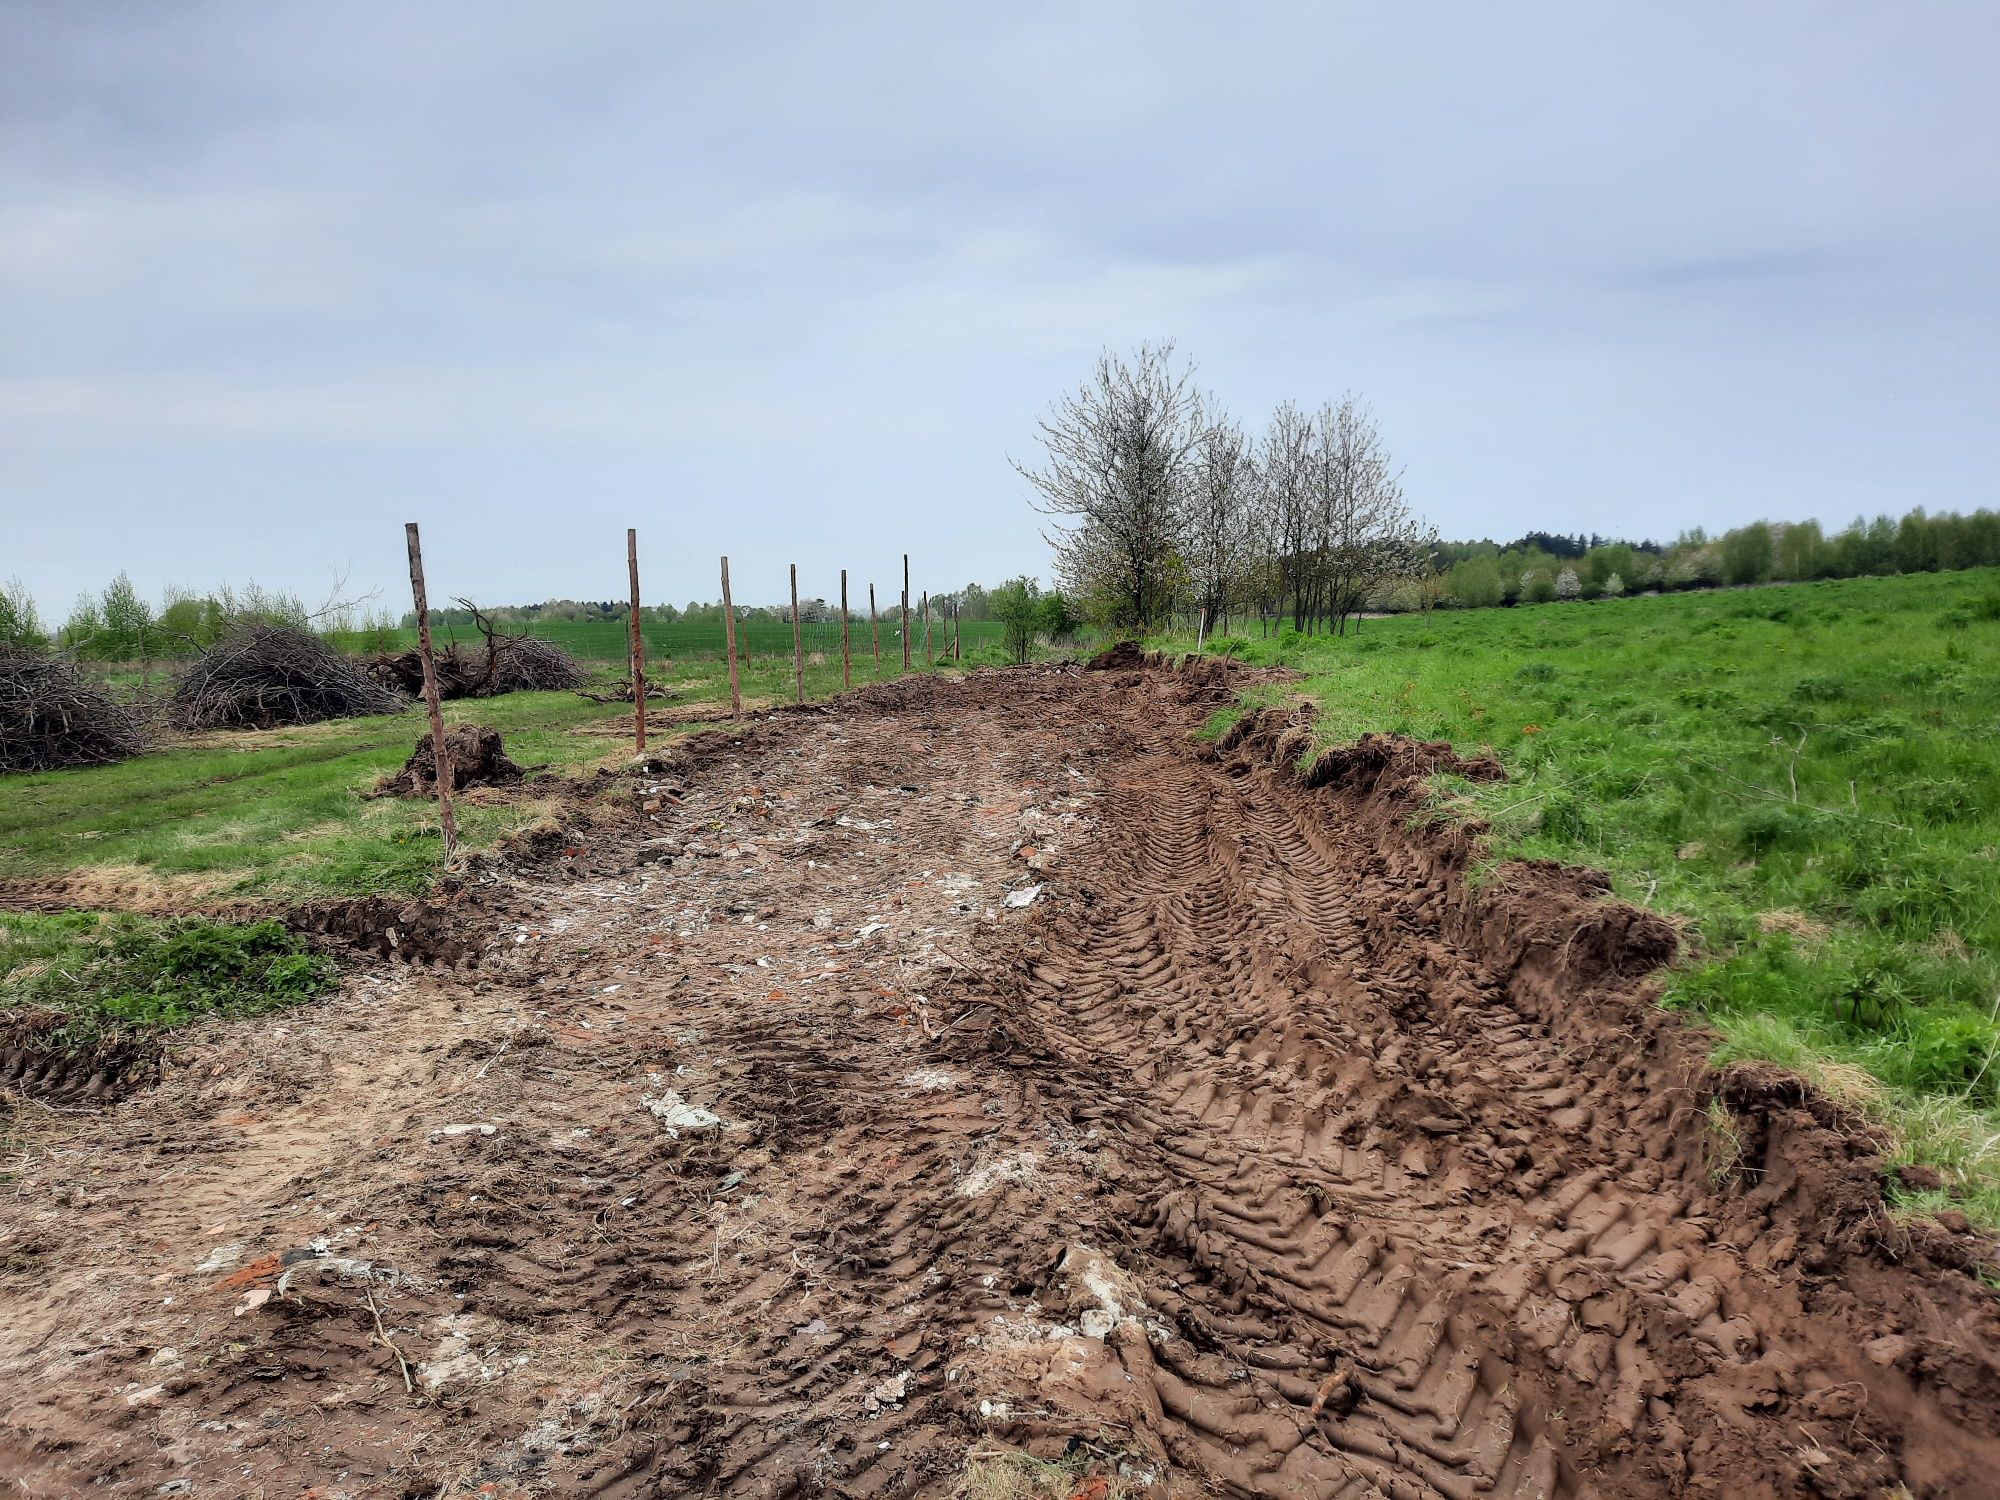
1538	567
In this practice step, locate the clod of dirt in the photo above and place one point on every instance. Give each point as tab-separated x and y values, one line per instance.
35	1059
472	751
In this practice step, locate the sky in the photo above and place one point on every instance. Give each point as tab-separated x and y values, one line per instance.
793	282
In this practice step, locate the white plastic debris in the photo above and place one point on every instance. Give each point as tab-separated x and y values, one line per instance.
444	1131
677	1115
1025	896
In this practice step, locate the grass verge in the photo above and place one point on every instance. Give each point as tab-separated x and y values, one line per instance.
1809	775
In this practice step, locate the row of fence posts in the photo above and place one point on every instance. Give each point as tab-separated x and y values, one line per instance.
637	655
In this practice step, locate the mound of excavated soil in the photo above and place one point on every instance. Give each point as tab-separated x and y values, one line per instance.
472	751
1122	656
975	1067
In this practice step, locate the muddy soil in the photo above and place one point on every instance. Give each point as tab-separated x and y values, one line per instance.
972	1067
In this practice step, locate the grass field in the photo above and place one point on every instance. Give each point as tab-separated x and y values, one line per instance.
608	640
280	813
1809	775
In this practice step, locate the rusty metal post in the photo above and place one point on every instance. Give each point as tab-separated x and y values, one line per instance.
846	655
440	762
798	643
729	635
638	643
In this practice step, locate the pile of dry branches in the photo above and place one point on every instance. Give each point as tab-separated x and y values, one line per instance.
260	676
504	664
51	715
527	665
460	673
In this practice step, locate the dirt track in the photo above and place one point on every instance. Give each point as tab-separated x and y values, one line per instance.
1261	1153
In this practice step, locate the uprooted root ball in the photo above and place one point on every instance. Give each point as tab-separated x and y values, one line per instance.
511	664
472	752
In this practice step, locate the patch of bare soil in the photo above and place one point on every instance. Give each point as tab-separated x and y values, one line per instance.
970	1067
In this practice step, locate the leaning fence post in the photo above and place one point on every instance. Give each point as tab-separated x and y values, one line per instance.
729	635
906	612
875	624
638	643
440	762
1201	631
798	643
846	657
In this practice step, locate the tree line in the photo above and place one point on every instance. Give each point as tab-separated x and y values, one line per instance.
1162	505
1480	574
1161	502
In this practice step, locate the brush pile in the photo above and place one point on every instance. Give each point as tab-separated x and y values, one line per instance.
473	753
51	715
504	664
261	676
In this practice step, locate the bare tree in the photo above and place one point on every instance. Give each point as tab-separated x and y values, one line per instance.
1117	476
1284	490
1219	530
1365	534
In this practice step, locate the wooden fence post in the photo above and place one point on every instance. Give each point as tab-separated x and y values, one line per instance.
440	762
729	635
875	624
906	611
956	653
846	657
798	643
930	661
638	643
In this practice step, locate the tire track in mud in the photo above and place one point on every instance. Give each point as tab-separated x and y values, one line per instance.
1261	1155
1368	1172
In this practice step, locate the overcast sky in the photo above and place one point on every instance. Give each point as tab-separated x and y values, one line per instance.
793	281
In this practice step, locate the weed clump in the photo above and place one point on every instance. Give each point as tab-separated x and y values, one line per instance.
126	972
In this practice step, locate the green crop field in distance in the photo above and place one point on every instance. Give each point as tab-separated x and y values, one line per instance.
1809	775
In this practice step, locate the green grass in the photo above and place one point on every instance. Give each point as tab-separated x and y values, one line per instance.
1809	775
135	974
281	814
608	640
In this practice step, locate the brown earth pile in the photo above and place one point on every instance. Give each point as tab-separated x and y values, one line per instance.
974	1069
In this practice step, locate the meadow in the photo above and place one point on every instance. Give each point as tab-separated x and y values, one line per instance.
282	813
1807	776
759	638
